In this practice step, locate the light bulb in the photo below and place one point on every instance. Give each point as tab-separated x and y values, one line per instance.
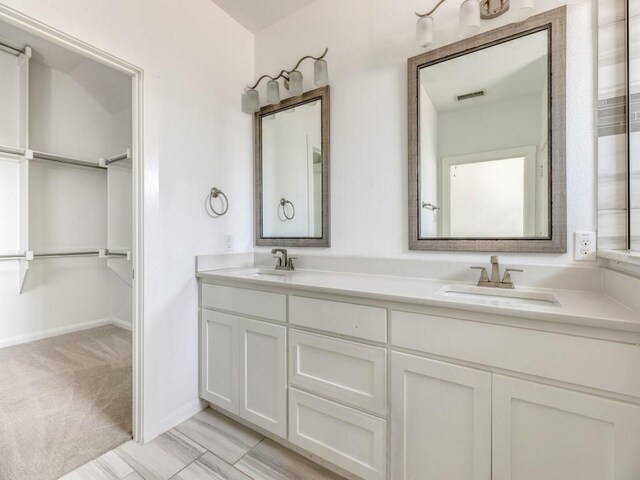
273	92
295	83
424	32
320	73
469	18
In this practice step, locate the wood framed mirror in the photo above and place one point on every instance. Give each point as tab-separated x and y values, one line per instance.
291	172
487	141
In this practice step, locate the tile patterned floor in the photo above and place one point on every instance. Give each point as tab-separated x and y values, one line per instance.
208	446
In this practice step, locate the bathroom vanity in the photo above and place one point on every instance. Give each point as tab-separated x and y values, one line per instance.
404	378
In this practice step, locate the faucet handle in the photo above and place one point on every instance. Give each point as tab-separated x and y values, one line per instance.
483	274
506	279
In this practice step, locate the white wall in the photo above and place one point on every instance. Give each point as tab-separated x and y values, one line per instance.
195	60
369	43
64	119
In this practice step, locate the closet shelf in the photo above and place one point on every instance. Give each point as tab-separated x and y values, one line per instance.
70	161
116	158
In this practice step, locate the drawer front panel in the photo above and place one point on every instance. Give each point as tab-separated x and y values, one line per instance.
340	370
244	301
359	321
605	365
345	437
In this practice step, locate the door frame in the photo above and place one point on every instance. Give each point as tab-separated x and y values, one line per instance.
26	23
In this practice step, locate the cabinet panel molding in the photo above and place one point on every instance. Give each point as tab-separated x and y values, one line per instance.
359	321
263	377
440	420
272	306
340	370
341	435
556	434
600	364
219	359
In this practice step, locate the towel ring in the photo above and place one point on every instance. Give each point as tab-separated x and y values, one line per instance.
283	205
217	193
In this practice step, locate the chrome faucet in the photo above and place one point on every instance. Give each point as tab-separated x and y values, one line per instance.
495	281
285	262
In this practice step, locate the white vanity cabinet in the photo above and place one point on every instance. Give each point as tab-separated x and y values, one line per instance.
243	360
389	390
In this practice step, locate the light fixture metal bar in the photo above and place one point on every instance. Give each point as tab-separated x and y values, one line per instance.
428	14
284	73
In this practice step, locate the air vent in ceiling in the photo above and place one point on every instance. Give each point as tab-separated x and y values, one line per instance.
467	96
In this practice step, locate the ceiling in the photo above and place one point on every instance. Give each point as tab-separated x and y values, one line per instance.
256	15
110	88
508	70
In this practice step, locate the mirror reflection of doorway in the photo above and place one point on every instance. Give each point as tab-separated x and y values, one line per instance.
489	195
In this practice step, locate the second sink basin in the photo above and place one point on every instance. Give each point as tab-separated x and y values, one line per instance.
497	296
266	272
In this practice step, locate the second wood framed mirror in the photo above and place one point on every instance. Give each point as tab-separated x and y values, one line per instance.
487	141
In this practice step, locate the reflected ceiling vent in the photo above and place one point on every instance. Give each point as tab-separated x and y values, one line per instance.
467	96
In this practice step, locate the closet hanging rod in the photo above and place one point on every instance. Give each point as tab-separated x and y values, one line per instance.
11	50
69	161
67	254
117	158
12	150
104	254
13	257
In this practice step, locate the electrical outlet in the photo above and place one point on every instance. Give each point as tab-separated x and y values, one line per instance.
228	243
584	246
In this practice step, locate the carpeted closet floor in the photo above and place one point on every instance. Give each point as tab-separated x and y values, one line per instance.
63	401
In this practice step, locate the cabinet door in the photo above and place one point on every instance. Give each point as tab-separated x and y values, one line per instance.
263	388
440	420
556	434
219	357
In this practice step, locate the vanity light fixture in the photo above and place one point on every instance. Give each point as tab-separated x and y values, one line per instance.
292	82
471	13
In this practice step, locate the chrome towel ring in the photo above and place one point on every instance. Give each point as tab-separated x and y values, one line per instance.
216	193
282	207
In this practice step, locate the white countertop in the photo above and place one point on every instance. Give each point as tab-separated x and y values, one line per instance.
586	308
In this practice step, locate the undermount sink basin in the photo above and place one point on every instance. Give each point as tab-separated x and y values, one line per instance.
496	296
266	272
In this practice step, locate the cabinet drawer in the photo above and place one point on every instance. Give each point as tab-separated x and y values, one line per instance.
360	321
249	302
345	437
601	364
340	370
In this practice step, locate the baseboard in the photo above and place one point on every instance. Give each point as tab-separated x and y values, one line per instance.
175	418
54	332
121	323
